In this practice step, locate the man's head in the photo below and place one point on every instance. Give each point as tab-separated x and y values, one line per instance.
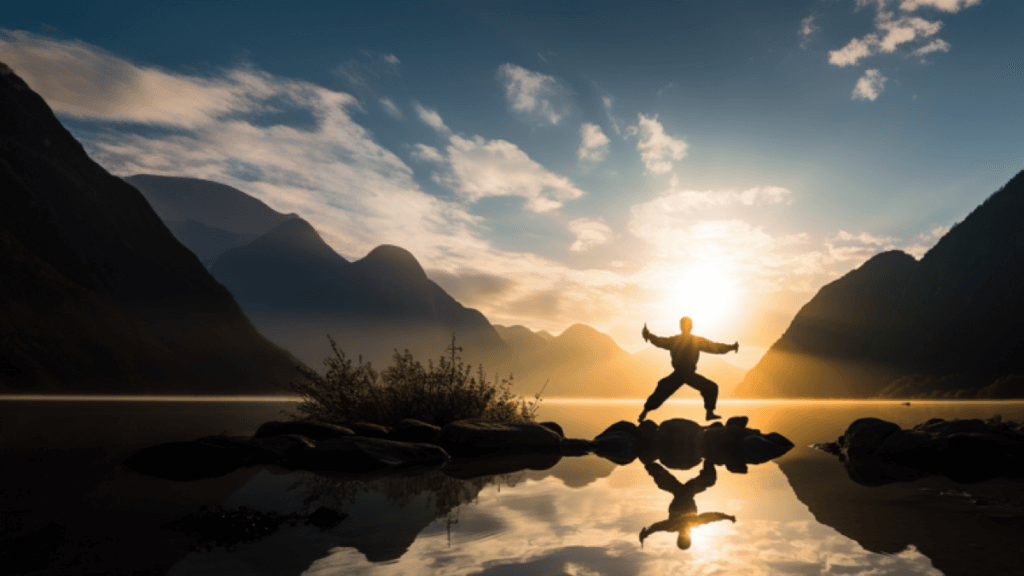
685	324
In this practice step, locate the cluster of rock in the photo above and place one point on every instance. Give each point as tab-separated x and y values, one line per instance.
464	448
682	444
878	452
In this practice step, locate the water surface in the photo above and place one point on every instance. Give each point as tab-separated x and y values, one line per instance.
68	506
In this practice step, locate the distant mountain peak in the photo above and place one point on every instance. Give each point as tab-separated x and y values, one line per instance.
393	258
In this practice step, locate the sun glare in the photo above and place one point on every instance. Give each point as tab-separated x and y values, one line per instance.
704	293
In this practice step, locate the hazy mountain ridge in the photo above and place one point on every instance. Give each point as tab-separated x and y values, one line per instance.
583	362
945	326
297	289
97	295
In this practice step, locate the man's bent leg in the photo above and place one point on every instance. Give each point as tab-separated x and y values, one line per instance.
666	387
708	390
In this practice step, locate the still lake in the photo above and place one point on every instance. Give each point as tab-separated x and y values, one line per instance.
68	506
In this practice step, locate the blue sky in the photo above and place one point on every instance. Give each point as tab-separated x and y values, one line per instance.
552	163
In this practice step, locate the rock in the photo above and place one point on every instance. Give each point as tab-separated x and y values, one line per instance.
679	431
472	438
618	443
740	421
865	435
758	448
554	427
410	430
312	429
736	447
877	452
358	454
576	447
678	443
283	446
906	442
946	428
370	430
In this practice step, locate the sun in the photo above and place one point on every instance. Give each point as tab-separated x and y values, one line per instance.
705	293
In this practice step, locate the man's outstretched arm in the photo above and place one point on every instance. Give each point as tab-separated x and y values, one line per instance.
705	345
709	517
656	340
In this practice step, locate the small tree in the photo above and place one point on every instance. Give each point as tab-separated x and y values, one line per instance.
438	393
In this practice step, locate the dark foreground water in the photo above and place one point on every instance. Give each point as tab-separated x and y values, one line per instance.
68	506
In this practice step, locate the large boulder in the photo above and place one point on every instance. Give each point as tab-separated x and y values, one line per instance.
618	443
865	435
678	443
877	452
475	438
358	454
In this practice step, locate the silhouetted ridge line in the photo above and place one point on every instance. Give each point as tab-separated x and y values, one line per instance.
946	326
97	295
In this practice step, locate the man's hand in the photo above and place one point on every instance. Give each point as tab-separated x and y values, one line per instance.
736	347
646	333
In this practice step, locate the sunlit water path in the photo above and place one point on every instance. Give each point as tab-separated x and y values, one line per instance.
68	506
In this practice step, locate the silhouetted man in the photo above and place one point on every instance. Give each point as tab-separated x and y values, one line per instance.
682	512
685	349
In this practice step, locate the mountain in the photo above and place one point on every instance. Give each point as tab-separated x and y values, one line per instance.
207	217
96	295
297	290
945	326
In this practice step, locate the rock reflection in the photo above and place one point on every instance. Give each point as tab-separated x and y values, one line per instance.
682	511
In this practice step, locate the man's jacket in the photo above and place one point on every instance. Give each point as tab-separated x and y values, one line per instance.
686	348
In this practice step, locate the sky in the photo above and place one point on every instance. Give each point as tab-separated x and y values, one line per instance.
557	163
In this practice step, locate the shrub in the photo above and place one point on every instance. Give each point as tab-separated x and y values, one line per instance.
438	393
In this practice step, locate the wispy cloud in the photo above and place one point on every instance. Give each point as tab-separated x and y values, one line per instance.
807	29
431	118
370	67
898	30
593	143
476	168
391	109
85	82
951	6
869	86
682	201
937	45
589	232
532	93
657	149
891	34
856	249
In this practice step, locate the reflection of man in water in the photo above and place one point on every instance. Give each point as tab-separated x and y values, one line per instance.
685	349
682	512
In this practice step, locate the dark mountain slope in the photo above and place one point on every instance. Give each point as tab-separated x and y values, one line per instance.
97	295
947	325
298	291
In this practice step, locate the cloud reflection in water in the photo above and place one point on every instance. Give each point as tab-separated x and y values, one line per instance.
541	526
